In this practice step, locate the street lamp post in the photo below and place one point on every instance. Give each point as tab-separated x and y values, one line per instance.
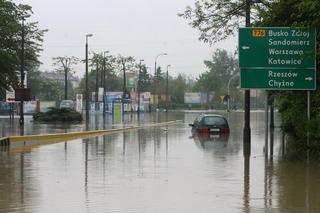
66	82
104	83
124	89
155	63
87	89
21	120
97	82
167	88
139	87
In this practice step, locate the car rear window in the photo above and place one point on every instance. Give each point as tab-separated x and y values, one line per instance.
214	120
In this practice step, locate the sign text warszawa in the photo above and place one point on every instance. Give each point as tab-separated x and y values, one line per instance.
277	58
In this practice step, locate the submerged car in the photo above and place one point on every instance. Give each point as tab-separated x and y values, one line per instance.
209	141
67	104
210	123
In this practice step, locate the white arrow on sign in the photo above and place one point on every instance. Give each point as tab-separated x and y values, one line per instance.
245	47
308	79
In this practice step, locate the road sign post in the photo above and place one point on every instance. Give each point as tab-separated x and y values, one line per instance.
277	58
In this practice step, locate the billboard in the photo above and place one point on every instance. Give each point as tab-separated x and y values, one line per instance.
131	79
29	107
199	97
145	97
111	96
100	94
192	98
10	96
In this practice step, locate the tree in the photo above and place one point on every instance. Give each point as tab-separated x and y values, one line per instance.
123	63
220	69
158	82
113	82
51	90
63	65
145	80
218	19
178	87
11	16
298	13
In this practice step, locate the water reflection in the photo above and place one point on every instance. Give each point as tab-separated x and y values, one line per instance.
246	176
160	169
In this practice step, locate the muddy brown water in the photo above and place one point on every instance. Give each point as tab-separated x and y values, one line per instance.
158	169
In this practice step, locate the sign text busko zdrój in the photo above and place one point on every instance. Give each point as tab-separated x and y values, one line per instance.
277	58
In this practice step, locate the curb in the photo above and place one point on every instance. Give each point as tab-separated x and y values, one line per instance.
7	141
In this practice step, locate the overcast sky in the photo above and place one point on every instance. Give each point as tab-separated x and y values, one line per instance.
139	28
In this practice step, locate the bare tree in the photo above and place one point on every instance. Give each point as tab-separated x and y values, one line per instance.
124	62
64	65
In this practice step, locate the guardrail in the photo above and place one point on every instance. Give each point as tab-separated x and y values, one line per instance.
53	138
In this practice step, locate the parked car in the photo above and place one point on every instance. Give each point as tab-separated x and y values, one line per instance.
67	104
210	123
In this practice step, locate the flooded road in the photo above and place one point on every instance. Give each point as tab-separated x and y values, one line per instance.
158	169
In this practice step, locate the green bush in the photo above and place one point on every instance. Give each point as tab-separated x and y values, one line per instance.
56	114
304	135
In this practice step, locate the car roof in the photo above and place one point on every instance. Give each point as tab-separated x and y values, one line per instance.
213	115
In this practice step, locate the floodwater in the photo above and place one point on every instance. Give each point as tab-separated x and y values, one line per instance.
157	169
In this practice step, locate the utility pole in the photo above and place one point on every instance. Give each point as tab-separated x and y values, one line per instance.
97	83
247	130
139	88
155	70
66	82
123	61
167	88
104	83
87	86
21	120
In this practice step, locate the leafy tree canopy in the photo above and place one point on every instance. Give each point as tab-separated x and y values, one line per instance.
11	25
218	19
220	69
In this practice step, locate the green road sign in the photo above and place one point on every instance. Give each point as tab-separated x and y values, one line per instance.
278	79
280	50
